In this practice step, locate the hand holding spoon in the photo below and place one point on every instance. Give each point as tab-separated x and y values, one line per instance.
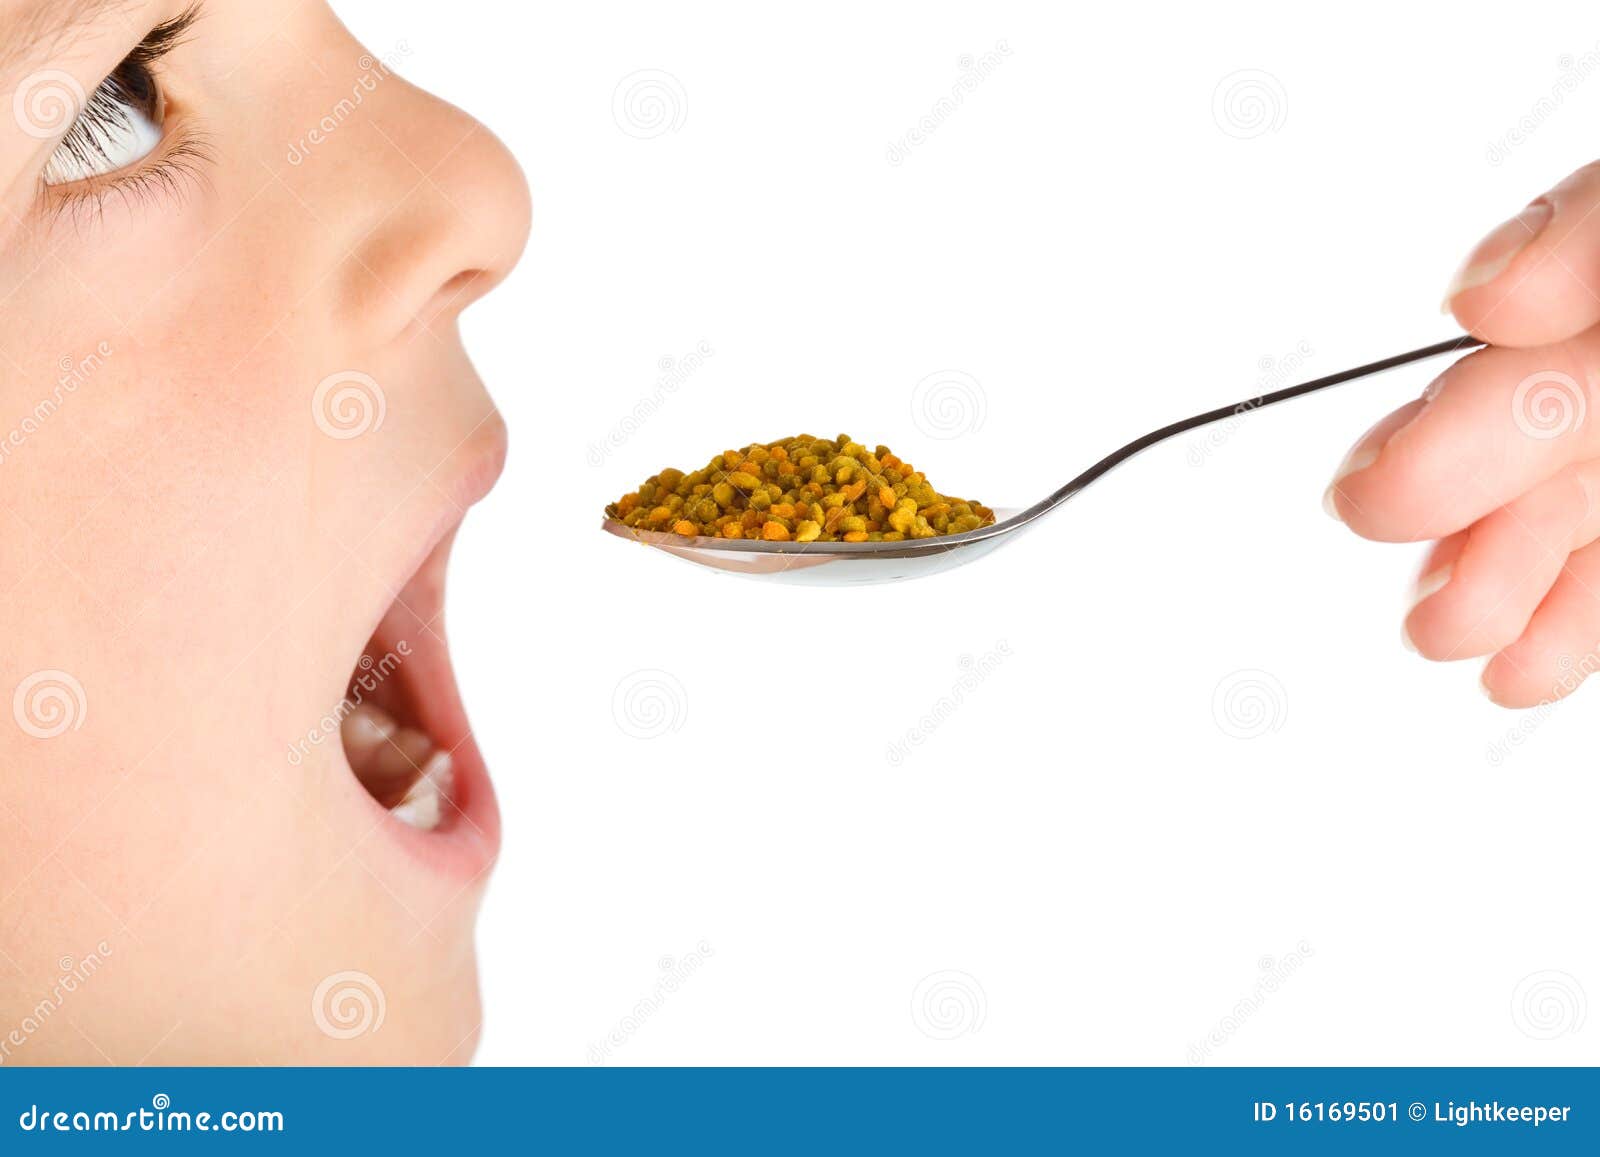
850	563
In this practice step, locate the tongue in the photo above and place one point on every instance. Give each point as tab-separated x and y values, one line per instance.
399	767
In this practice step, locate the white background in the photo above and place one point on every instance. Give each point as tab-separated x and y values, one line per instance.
1104	244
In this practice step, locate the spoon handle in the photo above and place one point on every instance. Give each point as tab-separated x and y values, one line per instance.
1111	461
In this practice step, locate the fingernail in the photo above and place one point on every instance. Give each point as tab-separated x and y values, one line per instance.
1359	458
1483	685
1427	586
1431	584
1496	251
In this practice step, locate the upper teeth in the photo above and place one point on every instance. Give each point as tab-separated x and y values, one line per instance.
399	766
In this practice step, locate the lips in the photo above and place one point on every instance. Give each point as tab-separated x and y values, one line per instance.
406	738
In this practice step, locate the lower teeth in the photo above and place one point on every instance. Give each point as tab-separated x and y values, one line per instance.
398	766
423	805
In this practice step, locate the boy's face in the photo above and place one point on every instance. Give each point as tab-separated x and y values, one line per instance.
237	432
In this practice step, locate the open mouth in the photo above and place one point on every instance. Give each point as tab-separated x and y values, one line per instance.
406	736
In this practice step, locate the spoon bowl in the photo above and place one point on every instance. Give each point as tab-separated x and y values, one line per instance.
825	564
860	563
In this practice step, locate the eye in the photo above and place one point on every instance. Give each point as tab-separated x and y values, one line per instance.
119	126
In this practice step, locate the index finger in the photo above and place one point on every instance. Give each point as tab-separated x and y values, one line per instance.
1491	427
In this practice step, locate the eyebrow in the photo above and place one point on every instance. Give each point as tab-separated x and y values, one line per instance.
48	24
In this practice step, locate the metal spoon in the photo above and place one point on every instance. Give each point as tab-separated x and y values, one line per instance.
851	563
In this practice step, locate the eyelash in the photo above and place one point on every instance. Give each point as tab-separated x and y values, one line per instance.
178	156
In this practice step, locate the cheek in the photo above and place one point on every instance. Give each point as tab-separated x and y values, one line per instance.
162	481
163	522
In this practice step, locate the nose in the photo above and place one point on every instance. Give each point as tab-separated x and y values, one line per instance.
435	213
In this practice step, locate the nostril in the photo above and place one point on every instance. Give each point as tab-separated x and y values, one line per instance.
458	293
466	287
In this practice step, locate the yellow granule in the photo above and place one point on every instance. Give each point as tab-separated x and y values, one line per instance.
800	489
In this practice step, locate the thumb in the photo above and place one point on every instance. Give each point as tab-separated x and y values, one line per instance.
1536	279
